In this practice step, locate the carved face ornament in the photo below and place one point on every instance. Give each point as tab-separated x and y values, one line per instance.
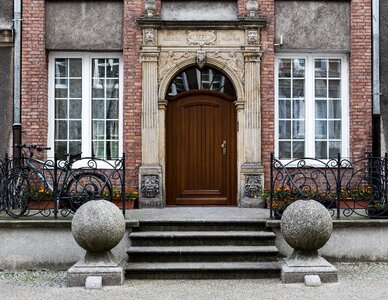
200	59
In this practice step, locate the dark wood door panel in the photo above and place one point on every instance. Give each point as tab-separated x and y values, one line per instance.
198	172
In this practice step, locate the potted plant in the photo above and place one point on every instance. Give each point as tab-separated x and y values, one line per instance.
356	197
40	198
131	197
282	197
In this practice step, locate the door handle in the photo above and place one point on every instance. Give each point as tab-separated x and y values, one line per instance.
223	146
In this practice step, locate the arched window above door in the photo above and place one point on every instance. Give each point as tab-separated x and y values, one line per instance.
204	79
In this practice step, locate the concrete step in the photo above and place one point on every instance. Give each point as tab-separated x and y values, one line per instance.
203	254
199	270
202	225
202	238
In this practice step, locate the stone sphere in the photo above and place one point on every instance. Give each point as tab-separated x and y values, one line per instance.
98	226
306	225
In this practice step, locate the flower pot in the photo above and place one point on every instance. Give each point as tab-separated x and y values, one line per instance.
353	203
41	204
129	203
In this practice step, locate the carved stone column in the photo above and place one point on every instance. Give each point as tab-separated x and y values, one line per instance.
150	172
252	171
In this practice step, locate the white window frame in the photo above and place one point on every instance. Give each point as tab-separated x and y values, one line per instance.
310	101
86	98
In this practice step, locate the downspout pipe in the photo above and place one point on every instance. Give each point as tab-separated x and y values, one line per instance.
376	112
16	128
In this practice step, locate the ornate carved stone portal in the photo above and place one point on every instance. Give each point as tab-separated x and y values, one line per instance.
233	48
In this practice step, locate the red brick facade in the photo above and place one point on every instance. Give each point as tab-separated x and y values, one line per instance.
35	79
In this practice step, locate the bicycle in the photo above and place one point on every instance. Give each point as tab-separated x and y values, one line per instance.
70	188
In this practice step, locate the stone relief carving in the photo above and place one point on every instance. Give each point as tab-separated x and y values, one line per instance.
201	37
150	186
252	37
149	37
253	186
234	60
168	60
200	59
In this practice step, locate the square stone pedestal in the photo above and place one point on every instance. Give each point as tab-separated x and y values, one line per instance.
294	271
111	271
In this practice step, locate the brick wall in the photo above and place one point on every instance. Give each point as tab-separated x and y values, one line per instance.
132	88
34	73
360	80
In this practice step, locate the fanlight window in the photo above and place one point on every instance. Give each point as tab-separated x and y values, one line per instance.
204	79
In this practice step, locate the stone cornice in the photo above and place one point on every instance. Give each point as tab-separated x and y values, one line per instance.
156	22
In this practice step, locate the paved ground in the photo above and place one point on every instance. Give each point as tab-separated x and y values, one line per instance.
356	281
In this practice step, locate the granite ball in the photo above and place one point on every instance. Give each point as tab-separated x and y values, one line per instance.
98	226
306	225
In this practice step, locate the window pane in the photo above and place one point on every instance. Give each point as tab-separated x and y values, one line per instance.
112	130
320	88
75	67
98	149
61	88
298	68
98	109
298	88
61	109
284	129
60	148
285	68
334	89
334	149
321	150
112	149
284	150
334	68
298	129
61	130
61	67
112	88
284	88
320	129
75	109
298	149
298	109
75	88
98	88
98	131
320	68
334	109
74	147
320	109
284	109
334	129
112	69
112	109
98	69
75	132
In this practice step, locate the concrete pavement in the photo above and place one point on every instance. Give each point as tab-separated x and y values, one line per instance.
356	281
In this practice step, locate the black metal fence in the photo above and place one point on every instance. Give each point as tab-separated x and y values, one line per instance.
53	187
346	187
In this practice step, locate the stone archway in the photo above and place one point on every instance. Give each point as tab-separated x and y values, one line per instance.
165	52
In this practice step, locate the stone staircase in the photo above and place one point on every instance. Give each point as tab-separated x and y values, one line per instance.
202	250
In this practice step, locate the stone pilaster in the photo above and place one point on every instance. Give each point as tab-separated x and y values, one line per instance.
150	172
251	179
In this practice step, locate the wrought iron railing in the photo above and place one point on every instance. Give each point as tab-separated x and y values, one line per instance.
53	187
346	187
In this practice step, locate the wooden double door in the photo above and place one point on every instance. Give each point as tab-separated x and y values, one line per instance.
201	150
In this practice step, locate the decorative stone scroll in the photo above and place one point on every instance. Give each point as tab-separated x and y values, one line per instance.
150	186
201	37
253	187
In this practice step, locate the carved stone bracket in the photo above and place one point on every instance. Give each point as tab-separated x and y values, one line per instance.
150	186
253	187
149	36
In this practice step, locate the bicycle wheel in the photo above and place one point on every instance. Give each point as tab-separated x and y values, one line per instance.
84	187
17	192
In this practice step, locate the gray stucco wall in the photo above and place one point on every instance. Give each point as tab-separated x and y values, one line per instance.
6	13
84	25
384	73
313	25
199	10
6	99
